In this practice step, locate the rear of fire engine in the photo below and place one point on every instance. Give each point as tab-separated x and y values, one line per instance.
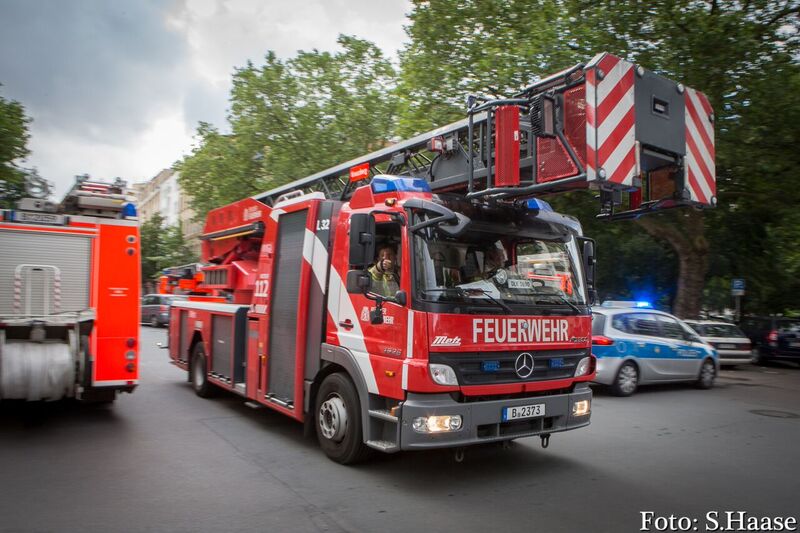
69	294
482	331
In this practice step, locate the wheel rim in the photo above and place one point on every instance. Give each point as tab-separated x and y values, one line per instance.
153	321
333	418
707	373
199	374
628	378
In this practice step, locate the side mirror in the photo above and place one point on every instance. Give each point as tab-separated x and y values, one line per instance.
362	240
358	282
400	298
589	268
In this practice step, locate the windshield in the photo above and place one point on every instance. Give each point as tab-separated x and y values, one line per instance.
486	267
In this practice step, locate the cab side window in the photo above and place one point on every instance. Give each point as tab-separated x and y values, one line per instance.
670	328
637	324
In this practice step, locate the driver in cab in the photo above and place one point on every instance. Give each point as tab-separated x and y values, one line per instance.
384	273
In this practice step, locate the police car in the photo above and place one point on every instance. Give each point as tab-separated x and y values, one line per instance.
636	344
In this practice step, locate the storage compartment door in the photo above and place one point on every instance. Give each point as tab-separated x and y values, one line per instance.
285	296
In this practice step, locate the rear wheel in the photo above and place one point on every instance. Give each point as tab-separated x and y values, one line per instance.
627	380
708	373
154	321
338	420
199	375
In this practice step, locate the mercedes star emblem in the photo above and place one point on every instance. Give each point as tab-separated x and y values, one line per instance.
524	365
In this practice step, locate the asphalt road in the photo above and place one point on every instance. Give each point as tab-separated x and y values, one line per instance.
162	459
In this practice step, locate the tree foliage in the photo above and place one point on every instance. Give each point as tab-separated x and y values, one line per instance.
291	118
13	148
162	247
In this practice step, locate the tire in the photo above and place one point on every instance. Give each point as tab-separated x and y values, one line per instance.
627	380
198	374
707	375
338	420
154	321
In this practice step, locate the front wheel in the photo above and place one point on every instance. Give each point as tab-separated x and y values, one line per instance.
198	373
708	373
338	420
627	380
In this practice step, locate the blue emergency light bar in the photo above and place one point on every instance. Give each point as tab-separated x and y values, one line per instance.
534	204
624	303
382	184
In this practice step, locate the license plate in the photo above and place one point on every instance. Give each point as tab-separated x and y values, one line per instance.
727	346
39	218
523	411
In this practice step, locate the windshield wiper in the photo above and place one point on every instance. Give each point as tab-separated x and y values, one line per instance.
466	292
563	300
489	296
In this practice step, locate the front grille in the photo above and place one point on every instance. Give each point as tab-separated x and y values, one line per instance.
473	368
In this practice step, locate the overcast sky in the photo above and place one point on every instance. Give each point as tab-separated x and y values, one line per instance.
116	88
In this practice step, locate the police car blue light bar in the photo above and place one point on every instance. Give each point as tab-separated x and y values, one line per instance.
625	303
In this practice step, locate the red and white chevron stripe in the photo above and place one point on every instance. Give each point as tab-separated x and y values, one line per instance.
610	121
699	162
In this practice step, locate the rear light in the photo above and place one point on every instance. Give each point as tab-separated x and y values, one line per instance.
164	308
773	337
601	340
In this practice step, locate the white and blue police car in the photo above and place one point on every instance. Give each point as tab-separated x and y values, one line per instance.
636	344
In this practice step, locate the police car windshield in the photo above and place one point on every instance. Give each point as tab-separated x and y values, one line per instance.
493	269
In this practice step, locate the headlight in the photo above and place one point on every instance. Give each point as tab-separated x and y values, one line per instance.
583	367
437	424
580	408
443	374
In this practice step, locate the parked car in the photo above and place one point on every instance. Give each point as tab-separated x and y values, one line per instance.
637	345
774	338
733	346
155	308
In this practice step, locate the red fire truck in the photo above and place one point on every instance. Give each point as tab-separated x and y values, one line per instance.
478	328
69	294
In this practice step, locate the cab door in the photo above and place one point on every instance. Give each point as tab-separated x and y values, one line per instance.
378	348
686	354
652	351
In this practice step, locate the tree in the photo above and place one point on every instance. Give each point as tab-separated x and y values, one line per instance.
743	55
291	118
13	147
162	247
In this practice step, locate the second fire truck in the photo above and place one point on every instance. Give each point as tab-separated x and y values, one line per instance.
487	335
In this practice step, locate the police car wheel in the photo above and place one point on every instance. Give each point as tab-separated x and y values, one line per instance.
627	380
338	420
708	373
198	373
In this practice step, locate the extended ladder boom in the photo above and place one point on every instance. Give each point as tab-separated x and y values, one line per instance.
645	142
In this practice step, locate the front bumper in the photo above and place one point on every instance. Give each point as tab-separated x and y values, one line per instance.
482	420
607	368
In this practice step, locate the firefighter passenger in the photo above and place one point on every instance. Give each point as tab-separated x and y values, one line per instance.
384	273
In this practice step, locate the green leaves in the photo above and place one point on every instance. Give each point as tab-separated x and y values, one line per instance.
289	119
13	147
162	247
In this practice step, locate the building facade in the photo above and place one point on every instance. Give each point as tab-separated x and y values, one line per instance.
163	194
